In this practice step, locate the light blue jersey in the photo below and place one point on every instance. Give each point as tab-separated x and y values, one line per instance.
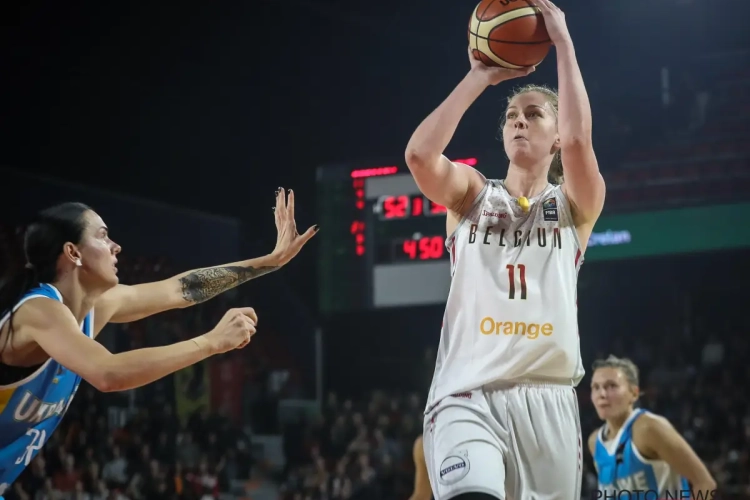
624	473
32	408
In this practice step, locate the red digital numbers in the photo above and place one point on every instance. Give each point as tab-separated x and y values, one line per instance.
417	206
404	206
431	247
436	209
396	207
424	248
357	227
410	248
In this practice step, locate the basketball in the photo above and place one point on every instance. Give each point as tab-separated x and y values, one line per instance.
508	33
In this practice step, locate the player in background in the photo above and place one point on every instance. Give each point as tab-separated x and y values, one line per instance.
422	490
502	416
52	309
636	450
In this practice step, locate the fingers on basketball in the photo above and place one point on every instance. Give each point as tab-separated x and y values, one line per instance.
546	5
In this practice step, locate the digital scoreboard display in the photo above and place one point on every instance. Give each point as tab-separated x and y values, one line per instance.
384	242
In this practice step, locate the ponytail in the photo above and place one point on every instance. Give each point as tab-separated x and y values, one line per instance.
13	286
555	174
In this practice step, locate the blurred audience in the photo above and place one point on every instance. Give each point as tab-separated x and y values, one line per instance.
355	450
150	457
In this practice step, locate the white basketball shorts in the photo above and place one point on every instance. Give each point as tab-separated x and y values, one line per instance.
512	441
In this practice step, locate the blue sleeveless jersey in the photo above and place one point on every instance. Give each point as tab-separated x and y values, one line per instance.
31	409
625	474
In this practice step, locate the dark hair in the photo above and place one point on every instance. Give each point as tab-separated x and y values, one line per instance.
555	175
42	245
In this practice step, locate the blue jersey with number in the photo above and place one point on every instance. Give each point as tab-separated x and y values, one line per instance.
31	409
626	475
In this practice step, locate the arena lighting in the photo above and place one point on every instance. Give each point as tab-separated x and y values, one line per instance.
373	172
380	171
472	162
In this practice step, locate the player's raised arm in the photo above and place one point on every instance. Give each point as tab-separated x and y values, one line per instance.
442	181
123	304
49	323
584	185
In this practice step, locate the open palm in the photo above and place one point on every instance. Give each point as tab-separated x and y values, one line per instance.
288	241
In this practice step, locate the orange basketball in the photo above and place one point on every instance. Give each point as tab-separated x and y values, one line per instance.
508	33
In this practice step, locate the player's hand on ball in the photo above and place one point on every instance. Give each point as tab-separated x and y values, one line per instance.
233	331
494	75
288	241
554	20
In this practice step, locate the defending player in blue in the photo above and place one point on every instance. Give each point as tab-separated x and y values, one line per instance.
639	455
52	309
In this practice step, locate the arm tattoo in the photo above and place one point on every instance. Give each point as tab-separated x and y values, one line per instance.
204	284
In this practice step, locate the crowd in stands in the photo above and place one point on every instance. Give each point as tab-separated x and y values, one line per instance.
704	157
152	456
355	450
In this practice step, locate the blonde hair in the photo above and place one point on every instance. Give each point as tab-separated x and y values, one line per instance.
555	175
625	365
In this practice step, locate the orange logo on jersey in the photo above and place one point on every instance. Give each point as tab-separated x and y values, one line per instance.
489	326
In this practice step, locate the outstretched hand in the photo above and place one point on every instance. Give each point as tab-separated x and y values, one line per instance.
491	75
288	241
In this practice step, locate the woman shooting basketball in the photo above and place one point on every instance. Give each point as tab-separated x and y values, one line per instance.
502	416
636	450
51	311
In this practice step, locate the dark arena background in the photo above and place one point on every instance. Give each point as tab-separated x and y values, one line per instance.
177	122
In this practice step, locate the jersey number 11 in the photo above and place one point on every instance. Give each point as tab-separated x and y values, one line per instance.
512	280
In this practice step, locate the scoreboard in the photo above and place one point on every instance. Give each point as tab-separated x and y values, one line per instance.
383	242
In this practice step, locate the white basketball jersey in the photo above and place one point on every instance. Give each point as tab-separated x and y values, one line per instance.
511	312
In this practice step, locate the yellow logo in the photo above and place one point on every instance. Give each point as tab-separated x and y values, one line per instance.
489	326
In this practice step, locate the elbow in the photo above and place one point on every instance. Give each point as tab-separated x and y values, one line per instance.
708	485
106	379
104	383
413	157
417	159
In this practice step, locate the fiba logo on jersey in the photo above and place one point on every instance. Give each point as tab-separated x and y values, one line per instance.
454	468
549	207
